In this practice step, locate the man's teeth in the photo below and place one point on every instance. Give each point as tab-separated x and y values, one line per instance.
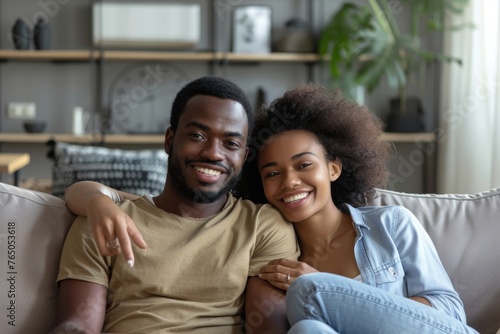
207	171
294	198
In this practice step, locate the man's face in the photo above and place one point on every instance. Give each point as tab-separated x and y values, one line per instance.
207	152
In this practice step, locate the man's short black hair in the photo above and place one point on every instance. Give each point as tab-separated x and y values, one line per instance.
211	86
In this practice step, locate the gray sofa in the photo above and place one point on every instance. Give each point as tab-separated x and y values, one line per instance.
33	225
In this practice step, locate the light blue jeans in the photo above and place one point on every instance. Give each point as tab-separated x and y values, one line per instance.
327	303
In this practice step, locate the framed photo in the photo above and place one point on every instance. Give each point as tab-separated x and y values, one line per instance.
252	29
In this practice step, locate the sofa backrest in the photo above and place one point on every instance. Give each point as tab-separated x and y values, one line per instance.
466	232
33	227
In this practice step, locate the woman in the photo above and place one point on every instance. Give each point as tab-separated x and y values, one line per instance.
319	157
375	268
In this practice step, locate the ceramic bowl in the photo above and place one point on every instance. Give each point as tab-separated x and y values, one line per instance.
34	126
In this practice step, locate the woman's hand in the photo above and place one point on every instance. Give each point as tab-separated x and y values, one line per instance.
281	273
112	228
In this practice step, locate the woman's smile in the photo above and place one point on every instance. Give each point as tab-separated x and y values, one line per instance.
295	198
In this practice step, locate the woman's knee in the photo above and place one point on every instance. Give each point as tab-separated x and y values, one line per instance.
300	288
305	298
298	296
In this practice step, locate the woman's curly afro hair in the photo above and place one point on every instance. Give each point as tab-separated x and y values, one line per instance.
348	132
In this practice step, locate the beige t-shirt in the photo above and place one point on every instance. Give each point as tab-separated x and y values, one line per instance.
192	276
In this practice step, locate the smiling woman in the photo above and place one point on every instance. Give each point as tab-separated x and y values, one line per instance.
318	167
334	121
296	174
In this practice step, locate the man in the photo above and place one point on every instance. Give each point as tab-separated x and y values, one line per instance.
205	247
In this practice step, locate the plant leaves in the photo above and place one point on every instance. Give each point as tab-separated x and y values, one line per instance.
356	33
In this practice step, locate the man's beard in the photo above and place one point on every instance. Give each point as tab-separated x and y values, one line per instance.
197	196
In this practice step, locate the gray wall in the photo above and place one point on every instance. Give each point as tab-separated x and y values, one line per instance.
57	87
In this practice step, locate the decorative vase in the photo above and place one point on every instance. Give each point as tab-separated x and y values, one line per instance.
409	120
261	98
21	35
297	38
42	34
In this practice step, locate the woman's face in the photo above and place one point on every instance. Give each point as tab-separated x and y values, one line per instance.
296	174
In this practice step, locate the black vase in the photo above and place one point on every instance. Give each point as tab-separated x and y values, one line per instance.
21	35
261	98
409	120
42	35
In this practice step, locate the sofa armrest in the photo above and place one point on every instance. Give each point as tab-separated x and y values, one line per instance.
33	226
465	230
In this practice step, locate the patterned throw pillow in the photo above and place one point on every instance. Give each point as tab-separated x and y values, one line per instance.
135	171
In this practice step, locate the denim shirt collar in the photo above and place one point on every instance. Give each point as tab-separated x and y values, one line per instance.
357	218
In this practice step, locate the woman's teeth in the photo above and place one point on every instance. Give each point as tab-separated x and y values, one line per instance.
295	198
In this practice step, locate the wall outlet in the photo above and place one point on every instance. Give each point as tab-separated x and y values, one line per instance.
21	110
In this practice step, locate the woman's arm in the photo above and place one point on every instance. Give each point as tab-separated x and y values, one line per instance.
426	278
107	221
80	194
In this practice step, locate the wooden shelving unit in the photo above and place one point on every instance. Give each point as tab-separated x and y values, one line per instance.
83	55
47	55
412	137
128	55
271	57
87	55
42	138
155	55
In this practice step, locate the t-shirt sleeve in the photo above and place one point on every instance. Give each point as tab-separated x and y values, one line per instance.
275	239
80	258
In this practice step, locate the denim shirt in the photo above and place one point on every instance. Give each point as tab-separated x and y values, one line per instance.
394	253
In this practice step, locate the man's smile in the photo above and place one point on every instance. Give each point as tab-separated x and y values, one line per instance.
207	171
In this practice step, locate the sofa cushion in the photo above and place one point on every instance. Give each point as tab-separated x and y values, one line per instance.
466	231
135	171
33	226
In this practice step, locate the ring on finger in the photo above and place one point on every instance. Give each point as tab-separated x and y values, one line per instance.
114	244
288	278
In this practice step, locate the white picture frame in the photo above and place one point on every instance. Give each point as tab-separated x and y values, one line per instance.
252	29
146	25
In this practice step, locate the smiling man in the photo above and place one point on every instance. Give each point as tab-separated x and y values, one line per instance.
210	166
205	247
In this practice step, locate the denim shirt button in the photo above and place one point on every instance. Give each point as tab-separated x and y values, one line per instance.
392	271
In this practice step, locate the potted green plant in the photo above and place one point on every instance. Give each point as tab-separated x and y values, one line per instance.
365	43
